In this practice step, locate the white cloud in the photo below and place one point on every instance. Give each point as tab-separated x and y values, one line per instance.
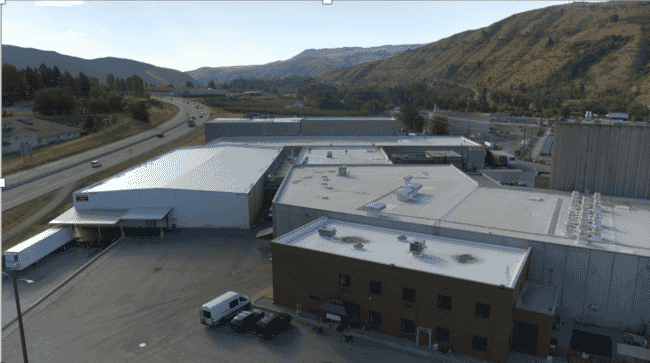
58	3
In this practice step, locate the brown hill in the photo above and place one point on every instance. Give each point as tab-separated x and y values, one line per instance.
593	46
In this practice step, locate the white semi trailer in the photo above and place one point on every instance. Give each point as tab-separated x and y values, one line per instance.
35	248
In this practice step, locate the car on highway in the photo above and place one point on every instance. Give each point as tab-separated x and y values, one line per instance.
95	164
272	325
160	135
246	320
201	116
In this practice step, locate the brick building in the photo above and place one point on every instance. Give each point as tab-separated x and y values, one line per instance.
463	295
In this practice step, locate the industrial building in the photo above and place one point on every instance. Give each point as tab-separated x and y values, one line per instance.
343	156
192	187
425	288
603	157
33	132
233	127
305	126
601	274
430	157
473	153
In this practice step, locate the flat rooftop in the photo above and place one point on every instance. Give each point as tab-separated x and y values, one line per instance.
211	168
343	156
442	256
443	187
449	198
350	141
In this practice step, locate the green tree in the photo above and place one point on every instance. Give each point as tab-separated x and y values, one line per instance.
56	77
549	42
212	84
13	85
613	18
438	125
189	84
83	85
138	110
110	81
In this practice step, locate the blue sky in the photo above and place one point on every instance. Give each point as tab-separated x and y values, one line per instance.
186	35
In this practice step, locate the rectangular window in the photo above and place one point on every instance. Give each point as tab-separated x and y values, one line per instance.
482	310
313	298
82	198
408	326
408	294
375	287
375	318
479	343
444	302
442	334
233	304
344	280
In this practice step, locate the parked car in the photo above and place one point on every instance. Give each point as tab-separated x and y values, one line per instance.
160	135
272	325
246	320
223	308
95	164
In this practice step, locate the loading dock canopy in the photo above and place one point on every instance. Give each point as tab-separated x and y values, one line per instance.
101	217
109	217
152	214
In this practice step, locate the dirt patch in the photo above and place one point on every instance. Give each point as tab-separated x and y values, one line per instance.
23	211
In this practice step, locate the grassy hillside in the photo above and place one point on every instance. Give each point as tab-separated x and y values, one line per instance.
593	48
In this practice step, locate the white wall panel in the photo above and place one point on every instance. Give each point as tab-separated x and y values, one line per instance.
621	295
555	263
598	280
210	210
575	282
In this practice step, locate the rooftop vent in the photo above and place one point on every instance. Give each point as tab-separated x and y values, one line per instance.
329	154
358	246
417	247
374	207
343	171
537	199
407	179
402	238
327	231
466	259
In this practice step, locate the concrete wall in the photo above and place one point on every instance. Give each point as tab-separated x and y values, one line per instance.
349	128
605	158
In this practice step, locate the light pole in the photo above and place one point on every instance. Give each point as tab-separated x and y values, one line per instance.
20	317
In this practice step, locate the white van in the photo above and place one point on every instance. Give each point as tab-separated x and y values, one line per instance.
223	308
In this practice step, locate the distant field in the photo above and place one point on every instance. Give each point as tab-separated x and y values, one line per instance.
19	214
124	127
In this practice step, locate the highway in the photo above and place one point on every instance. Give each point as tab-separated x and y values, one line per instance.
172	129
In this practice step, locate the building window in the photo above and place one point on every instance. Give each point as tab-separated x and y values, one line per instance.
408	326
482	310
408	295
375	287
344	280
313	298
375	318
442	334
479	343
444	302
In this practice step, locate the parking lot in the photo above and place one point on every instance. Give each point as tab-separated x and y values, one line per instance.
140	302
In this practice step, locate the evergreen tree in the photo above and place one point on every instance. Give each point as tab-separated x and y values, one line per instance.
33	82
67	81
110	81
56	77
189	84
211	84
83	85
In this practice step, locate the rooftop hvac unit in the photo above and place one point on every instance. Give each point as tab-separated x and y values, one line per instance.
329	154
358	246
417	247
343	171
327	231
401	238
374	207
407	179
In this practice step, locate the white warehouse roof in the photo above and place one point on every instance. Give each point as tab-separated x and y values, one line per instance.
343	155
480	262
231	169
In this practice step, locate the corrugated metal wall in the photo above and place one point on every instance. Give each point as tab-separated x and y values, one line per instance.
349	128
215	130
609	159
